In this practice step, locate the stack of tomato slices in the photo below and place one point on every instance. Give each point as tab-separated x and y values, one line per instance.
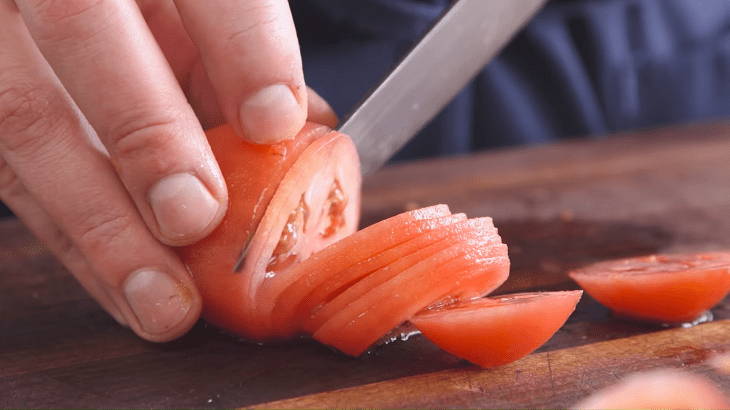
288	261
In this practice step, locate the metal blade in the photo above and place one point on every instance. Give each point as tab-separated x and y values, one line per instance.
448	56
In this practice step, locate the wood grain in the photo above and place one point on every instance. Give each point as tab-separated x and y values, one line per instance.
556	379
557	207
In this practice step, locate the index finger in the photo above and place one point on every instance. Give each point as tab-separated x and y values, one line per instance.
251	55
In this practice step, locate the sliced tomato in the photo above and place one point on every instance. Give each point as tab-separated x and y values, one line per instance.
495	331
377	270
659	288
286	201
337	265
286	260
386	305
659	389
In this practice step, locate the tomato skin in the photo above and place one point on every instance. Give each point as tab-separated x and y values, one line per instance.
659	288
492	332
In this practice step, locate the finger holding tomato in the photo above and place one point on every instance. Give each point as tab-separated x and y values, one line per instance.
102	151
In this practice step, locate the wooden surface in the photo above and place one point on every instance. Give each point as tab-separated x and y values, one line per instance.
556	207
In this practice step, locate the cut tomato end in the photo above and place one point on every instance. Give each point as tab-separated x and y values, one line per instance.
495	331
659	288
311	201
322	192
253	174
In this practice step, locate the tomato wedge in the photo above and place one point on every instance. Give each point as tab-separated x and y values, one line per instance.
659	288
342	263
495	331
286	201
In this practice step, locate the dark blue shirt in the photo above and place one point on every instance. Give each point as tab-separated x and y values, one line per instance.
580	68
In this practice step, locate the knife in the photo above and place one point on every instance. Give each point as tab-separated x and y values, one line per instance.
429	76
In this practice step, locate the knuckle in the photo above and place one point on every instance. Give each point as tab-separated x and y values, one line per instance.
102	232
149	141
54	12
62	22
27	113
260	19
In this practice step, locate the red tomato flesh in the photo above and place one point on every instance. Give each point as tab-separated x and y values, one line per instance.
495	331
659	288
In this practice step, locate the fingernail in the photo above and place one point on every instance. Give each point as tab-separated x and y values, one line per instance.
271	115
182	205
159	302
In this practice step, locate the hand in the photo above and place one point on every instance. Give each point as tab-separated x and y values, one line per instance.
102	153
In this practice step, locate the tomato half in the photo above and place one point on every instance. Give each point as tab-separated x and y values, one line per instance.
659	288
286	201
495	331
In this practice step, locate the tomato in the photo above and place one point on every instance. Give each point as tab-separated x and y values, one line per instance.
659	288
659	389
348	260
385	304
495	331
287	261
286	201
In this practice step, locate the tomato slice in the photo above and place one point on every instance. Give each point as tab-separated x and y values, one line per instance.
495	331
374	271
659	288
286	201
659	389
388	304
323	278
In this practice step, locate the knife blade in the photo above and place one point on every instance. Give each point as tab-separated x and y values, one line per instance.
428	77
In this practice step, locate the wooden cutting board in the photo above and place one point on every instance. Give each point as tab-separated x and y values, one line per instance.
556	207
